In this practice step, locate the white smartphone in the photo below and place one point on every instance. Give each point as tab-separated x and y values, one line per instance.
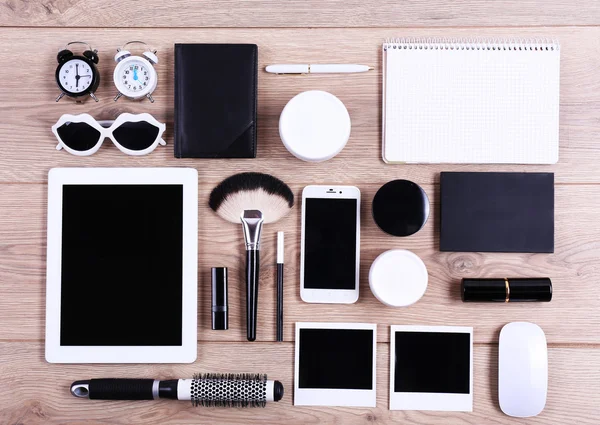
330	247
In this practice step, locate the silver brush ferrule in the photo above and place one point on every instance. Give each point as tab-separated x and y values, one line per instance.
252	221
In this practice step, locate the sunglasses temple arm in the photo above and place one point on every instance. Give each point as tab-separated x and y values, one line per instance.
59	146
162	142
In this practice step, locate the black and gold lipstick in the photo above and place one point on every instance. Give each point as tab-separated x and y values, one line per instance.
220	303
507	289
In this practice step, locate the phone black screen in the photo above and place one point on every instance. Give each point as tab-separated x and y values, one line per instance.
121	268
330	243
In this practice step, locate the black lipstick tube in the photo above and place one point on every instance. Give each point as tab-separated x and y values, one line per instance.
507	289
220	303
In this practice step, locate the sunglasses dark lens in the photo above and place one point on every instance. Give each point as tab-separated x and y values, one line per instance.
136	136
78	136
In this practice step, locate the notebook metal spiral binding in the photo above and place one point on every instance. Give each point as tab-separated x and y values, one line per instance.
477	43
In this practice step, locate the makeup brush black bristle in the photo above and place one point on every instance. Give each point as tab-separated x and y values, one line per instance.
251	191
229	390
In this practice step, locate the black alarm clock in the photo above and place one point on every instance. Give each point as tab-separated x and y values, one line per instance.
77	75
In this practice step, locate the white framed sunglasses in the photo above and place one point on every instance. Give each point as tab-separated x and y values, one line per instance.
133	134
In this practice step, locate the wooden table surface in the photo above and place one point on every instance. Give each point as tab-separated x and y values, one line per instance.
31	32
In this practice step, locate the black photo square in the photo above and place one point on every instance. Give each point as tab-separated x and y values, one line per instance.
336	358
432	362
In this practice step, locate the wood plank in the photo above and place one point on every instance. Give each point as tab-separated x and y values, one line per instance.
27	149
573	269
295	13
35	392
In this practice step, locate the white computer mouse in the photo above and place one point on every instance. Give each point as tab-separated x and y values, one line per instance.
522	369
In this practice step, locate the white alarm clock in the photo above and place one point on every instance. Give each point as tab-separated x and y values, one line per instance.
135	76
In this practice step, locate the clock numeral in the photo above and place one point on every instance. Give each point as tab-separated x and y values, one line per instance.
145	83
135	67
146	78
145	72
126	72
131	68
66	71
124	77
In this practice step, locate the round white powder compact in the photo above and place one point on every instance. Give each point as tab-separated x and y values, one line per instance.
314	126
398	278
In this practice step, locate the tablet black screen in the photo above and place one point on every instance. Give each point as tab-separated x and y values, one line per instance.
432	362
121	268
336	358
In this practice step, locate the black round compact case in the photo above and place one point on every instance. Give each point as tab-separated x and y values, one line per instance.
400	208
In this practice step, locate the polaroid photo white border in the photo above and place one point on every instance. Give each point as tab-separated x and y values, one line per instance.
334	396
430	401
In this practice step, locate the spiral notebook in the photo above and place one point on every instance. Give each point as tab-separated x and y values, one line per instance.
471	101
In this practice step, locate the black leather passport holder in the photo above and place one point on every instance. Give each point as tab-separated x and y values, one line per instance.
497	212
215	100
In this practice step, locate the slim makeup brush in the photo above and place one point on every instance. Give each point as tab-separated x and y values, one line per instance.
280	249
253	198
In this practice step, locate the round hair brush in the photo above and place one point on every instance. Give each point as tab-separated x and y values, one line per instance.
208	390
253	198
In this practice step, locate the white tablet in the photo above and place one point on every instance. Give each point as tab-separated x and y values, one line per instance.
431	368
335	364
122	259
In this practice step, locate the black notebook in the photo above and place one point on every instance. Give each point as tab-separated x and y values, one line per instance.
215	100
497	212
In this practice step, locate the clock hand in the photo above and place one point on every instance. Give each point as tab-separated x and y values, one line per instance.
77	75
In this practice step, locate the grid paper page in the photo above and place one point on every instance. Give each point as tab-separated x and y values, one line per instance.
471	106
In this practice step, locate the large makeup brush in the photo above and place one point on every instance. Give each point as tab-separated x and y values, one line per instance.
253	198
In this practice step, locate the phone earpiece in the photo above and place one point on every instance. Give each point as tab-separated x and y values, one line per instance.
122	54
151	56
91	55
64	55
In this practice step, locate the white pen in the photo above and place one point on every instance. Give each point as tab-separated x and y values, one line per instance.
317	68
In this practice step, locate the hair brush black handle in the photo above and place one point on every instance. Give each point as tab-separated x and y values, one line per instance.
115	389
252	270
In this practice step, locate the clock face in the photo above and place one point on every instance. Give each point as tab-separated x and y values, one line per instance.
135	77
75	76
